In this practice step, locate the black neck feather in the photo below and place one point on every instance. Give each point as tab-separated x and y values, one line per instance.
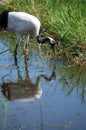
42	40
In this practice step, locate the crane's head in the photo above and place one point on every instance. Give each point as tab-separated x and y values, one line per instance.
51	42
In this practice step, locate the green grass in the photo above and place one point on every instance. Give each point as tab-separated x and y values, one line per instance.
58	17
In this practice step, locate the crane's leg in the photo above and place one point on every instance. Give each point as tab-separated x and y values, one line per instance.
18	36
26	43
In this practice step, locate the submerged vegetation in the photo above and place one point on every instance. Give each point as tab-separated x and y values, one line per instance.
65	19
73	76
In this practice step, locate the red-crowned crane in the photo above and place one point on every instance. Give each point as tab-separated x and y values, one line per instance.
22	23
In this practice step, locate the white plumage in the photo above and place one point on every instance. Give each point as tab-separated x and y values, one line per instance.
23	23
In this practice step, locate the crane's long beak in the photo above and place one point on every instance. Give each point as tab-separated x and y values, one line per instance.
53	47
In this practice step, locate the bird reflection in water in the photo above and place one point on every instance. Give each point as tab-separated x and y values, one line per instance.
25	89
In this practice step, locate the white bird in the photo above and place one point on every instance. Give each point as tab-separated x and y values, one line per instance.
22	23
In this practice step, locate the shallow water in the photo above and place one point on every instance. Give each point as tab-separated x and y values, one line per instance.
41	93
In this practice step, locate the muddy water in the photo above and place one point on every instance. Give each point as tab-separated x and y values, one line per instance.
41	93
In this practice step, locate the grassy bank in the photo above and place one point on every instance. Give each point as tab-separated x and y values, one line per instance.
59	18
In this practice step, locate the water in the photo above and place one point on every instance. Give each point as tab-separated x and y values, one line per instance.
41	93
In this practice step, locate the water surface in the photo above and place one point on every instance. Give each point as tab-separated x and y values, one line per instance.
41	93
